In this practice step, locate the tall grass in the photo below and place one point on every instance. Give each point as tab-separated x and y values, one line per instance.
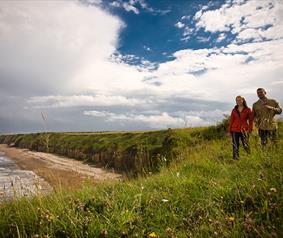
203	193
132	153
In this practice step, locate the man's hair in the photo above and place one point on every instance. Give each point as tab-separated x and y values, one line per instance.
261	89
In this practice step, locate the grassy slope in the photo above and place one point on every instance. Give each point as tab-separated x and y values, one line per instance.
203	193
129	152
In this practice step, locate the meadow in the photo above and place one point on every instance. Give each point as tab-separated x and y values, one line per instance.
184	184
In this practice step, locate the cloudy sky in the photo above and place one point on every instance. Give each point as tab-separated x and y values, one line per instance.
94	65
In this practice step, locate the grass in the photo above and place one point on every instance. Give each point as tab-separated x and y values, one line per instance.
201	193
132	153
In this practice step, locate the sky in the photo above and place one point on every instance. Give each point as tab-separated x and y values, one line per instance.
107	65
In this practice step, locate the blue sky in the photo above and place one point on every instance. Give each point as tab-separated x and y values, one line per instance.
92	65
154	35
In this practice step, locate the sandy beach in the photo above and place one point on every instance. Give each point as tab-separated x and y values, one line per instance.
59	172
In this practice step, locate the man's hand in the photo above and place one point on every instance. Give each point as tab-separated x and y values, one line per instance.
269	107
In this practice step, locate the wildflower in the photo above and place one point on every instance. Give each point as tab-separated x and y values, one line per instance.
103	233
248	223
232	219
273	190
169	231
165	200
152	235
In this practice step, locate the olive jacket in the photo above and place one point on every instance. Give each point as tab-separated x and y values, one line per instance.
263	116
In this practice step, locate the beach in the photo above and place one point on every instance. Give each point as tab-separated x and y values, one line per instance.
25	172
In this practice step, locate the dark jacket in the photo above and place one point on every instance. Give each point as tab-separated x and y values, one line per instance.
241	121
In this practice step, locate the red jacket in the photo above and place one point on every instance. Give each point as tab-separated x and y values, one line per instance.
241	121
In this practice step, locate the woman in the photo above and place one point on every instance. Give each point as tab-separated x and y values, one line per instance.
240	125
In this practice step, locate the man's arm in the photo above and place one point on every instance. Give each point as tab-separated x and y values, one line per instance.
253	111
277	109
255	116
251	121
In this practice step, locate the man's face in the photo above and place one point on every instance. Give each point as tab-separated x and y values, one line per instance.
261	93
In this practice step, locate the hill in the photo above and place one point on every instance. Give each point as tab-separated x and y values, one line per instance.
133	153
197	191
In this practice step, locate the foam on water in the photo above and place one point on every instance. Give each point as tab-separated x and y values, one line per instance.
17	183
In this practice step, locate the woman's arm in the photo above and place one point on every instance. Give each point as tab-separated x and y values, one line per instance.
231	121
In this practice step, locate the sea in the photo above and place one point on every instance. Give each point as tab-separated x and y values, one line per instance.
16	183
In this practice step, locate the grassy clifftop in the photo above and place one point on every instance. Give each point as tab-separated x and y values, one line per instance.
129	152
202	193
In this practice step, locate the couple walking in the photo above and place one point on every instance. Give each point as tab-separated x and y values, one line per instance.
242	118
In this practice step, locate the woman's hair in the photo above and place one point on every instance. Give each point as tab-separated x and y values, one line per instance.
244	101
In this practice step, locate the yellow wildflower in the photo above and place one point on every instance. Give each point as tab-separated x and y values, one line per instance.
231	219
152	235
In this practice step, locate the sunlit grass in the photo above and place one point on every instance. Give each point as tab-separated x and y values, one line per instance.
202	193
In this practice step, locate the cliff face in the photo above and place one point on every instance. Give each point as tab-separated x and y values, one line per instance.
131	153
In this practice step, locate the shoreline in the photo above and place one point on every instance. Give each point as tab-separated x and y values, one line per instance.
60	172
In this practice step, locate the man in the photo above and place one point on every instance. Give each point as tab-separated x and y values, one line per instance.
264	111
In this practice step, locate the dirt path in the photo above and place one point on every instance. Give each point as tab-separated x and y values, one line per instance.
59	172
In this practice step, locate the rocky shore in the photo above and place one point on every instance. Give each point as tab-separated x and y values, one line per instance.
15	182
24	172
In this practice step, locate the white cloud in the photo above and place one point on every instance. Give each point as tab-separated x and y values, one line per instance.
179	24
146	48
163	120
143	5
188	31
201	117
213	74
277	82
221	37
96	2
45	43
249	34
128	7
98	113
203	39
83	100
115	4
185	17
76	63
132	6
244	19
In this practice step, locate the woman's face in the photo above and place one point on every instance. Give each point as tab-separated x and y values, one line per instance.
239	101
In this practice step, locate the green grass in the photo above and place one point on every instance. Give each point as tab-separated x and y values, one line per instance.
132	153
201	193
